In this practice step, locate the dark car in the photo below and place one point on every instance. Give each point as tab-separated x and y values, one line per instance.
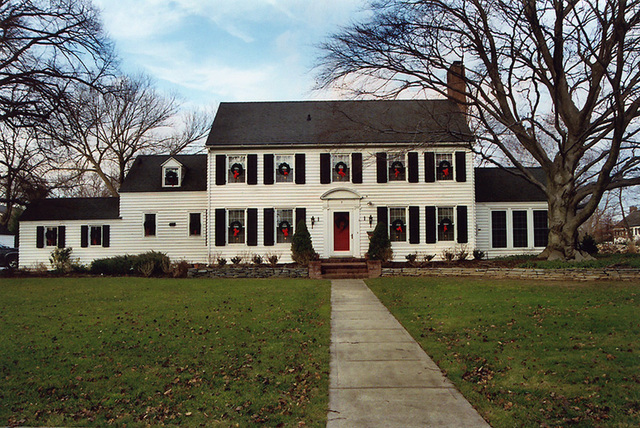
8	256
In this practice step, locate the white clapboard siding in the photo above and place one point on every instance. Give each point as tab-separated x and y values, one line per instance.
31	257
483	227
373	194
169	207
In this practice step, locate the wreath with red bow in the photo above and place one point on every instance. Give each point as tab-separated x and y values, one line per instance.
285	228
236	228
444	169
398	226
237	170
397	168
284	169
445	224
341	169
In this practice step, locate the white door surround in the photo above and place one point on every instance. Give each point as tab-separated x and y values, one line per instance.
342	200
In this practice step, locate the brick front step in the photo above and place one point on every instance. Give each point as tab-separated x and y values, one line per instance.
344	268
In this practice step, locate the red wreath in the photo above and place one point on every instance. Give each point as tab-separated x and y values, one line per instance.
284	227
237	170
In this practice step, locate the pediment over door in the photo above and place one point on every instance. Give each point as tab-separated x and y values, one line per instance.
341	194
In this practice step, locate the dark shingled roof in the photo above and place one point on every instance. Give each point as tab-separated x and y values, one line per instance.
336	122
72	209
146	174
499	185
633	219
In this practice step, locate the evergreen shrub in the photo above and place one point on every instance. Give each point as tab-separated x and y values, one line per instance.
380	244
302	251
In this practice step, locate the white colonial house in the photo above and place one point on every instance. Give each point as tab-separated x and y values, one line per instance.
339	166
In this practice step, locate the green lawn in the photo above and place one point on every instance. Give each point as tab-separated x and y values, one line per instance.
526	353
97	351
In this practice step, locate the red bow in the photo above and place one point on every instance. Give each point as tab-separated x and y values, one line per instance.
445	172
285	231
285	172
341	172
445	227
397	172
236	174
399	229
236	231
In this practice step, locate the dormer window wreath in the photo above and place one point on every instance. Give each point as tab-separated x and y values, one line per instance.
171	177
341	169
444	170
285	228
284	169
397	168
236	228
237	170
398	226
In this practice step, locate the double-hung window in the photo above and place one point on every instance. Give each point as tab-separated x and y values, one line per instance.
51	236
445	224
284	225
397	166
149	225
195	224
498	229
398	224
236	227
340	167
284	168
520	229
444	166
540	228
237	169
95	235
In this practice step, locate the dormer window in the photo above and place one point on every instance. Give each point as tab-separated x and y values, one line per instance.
171	173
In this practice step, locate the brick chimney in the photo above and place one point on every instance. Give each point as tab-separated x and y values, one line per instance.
456	85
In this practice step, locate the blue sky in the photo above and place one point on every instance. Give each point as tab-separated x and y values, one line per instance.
208	51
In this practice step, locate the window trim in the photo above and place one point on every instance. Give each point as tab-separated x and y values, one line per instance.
101	234
57	239
392	157
277	228
519	229
345	158
155	224
167	168
451	163
189	234
228	174
243	225
506	229
454	222
405	222
292	169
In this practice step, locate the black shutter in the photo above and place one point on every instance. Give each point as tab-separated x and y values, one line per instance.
461	170
106	234
221	228
252	169
301	214
383	216
413	167
381	167
252	227
268	226
61	237
325	168
40	237
431	225
300	168
221	169
268	169
463	233
356	168
84	236
414	223
429	167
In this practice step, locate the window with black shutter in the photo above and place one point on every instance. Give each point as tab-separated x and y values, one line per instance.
444	166
268	173
95	235
414	225
252	169
520	229
499	229
431	225
356	161
252	227
106	235
381	167
397	167
340	171
221	169
540	228
463	233
84	236
461	167
325	168
268	226
300	168
398	224
412	158
429	167
236	227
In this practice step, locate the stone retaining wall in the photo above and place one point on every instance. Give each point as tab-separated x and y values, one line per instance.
249	272
519	273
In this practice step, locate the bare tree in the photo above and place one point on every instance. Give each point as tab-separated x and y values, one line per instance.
559	79
101	133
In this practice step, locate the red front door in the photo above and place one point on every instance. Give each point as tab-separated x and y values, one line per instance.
341	235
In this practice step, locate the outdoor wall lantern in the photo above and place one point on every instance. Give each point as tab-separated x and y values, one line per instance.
313	221
370	221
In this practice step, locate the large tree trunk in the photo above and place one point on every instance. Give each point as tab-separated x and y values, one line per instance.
563	224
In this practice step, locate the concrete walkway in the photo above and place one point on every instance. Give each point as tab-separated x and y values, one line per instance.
380	377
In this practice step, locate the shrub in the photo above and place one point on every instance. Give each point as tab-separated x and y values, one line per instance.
272	259
180	269
428	257
411	258
462	253
236	260
221	261
61	260
589	245
142	262
256	259
448	254
302	251
118	265
380	244
478	254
